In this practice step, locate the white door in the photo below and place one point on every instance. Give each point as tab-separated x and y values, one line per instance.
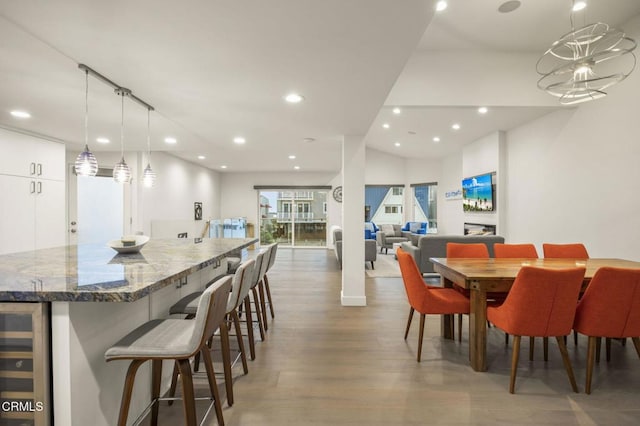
96	209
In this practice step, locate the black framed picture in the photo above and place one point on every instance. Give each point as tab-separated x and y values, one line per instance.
197	210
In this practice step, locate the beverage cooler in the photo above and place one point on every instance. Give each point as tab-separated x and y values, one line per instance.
228	228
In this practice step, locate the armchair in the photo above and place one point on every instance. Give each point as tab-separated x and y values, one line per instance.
370	230
388	235
370	252
413	231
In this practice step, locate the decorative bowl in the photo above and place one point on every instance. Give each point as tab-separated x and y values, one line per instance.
136	242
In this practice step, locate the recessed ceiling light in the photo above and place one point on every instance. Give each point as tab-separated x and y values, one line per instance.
201	157
170	140
386	125
20	114
239	140
223	167
102	140
455	126
441	5
579	5
294	98
296	167
397	110
483	110
509	6
397	144
309	139
436	139
292	157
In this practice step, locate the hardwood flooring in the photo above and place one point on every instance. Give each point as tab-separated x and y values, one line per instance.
325	364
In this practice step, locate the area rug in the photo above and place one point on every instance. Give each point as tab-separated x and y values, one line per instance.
386	266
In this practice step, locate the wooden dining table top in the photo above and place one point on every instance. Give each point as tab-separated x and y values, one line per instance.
507	269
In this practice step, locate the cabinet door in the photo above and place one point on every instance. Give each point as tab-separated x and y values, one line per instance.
50	160
17	218
50	229
28	156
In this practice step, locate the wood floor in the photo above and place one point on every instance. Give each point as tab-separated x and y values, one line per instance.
324	364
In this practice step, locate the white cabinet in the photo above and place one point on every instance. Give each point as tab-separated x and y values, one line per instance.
32	190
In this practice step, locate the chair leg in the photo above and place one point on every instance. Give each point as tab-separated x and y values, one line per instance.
226	361
252	343
213	386
545	344
532	344
591	354
268	290
420	336
263	305
128	390
188	401
607	343
372	267
243	352
174	383
598	345
575	337
459	327
636	344
514	363
156	379
406	332
567	363
256	303
506	339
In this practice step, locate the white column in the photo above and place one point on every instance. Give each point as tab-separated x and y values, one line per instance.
353	164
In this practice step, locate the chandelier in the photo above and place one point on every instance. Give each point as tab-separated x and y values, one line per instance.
583	63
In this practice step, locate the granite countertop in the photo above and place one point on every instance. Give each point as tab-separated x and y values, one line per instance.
96	273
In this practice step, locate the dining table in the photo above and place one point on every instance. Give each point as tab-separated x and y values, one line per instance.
482	276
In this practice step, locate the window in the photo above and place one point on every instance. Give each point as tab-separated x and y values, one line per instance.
425	203
392	209
383	204
397	190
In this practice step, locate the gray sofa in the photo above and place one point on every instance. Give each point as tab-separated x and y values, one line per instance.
390	234
370	252
436	246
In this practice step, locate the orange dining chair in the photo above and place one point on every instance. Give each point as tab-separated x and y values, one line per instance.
610	308
466	251
515	251
426	299
541	303
519	251
565	251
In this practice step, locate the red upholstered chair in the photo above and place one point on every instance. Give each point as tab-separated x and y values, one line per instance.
565	251
610	307
426	299
515	251
460	250
542	303
519	251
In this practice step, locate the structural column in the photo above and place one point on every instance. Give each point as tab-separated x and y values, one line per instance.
353	164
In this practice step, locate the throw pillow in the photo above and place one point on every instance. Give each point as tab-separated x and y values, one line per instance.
388	230
414	227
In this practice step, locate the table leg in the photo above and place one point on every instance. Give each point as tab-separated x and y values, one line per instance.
446	323
478	329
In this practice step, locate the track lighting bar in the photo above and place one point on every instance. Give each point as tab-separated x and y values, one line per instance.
119	89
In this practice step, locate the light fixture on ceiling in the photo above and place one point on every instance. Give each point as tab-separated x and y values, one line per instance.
148	175
296	167
583	63
170	140
292	157
397	144
397	111
121	171
436	139
509	6
86	163
441	5
579	5
239	140
201	157
386	125
102	140
20	114
223	167
455	126
483	110
294	98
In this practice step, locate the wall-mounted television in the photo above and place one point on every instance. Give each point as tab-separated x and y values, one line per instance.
478	193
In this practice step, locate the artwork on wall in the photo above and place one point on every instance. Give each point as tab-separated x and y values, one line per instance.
197	210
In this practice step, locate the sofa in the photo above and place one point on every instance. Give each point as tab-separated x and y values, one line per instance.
434	245
389	234
413	230
370	252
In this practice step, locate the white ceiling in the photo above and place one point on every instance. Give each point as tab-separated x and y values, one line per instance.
216	69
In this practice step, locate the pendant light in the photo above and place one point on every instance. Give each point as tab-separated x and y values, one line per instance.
86	163
121	172
148	176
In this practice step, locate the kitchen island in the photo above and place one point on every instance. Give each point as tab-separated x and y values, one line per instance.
73	288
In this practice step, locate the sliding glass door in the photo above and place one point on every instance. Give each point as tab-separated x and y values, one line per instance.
293	217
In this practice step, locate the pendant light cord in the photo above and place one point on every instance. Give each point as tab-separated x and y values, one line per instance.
122	129
148	136
86	110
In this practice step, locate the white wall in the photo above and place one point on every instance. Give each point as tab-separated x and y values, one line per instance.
450	213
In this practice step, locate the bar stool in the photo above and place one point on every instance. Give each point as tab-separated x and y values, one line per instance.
175	339
241	284
272	249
